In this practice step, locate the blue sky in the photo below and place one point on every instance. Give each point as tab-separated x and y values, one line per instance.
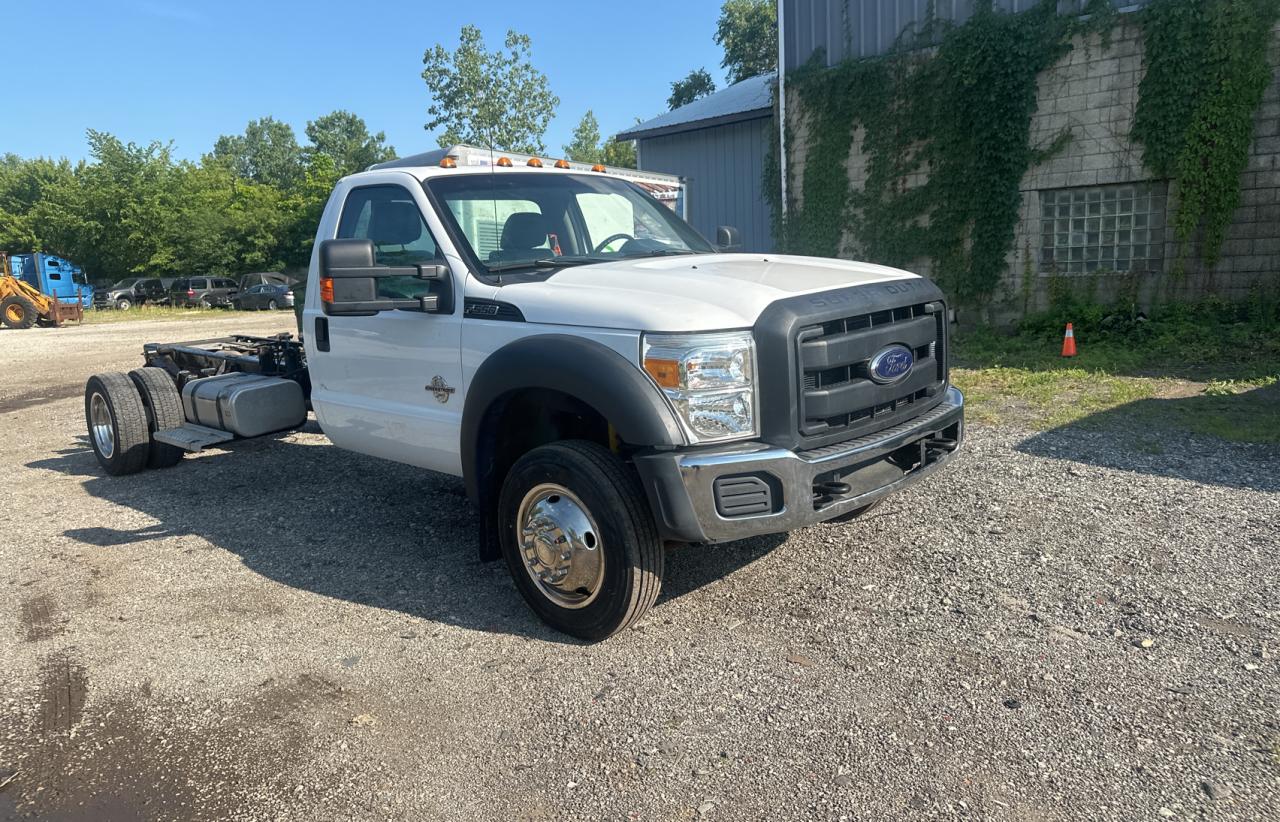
188	71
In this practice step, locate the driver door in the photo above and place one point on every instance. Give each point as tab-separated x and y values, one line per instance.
386	385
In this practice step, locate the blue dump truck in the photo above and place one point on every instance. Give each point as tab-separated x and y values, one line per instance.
55	276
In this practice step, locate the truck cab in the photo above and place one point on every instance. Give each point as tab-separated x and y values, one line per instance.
603	378
55	276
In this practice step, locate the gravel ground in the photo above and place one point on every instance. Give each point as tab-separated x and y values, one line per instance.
1060	626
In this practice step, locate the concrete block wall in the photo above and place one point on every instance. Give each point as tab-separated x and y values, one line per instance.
1092	92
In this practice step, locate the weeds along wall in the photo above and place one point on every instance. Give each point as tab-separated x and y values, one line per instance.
964	159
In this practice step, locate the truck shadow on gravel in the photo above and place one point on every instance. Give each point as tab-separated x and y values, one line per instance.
1229	441
355	528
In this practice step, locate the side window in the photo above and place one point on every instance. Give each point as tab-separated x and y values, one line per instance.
226	283
389	217
200	285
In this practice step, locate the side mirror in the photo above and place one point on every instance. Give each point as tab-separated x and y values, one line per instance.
349	282
728	238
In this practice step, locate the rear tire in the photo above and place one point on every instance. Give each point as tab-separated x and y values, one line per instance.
117	423
617	555
163	404
17	311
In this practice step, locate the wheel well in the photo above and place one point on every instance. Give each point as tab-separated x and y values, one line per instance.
516	423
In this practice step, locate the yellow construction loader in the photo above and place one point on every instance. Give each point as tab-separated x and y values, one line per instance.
22	305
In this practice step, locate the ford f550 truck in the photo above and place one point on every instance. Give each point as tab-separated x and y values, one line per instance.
601	377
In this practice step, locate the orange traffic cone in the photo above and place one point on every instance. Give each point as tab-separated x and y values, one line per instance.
1069	342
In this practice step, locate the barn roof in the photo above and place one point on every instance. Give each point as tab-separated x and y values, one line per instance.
749	100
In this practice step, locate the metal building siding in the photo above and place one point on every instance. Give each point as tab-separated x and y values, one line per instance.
724	166
865	28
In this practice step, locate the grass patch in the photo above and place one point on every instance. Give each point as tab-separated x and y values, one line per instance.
153	312
1207	369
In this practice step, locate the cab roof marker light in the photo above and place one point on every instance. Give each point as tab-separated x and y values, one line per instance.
562	164
534	162
598	167
449	162
504	162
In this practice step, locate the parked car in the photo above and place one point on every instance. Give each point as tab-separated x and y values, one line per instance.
203	292
259	297
129	293
265	278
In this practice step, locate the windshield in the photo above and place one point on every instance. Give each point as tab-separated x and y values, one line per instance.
514	221
126	283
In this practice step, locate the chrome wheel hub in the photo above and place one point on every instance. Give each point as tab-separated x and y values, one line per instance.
560	544
104	433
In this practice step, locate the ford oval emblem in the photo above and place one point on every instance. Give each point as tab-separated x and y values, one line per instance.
891	363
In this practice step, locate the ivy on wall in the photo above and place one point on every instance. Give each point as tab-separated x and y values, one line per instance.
946	137
1206	71
945	131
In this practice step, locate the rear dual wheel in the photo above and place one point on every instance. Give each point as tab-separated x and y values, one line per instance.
117	424
123	412
578	538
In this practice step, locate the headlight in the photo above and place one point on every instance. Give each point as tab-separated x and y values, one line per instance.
710	380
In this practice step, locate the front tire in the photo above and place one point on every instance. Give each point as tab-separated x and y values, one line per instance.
123	305
18	312
578	538
117	424
272	305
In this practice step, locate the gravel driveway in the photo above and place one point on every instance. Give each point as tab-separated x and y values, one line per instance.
1060	626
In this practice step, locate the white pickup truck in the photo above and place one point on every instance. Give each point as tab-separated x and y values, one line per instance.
601	377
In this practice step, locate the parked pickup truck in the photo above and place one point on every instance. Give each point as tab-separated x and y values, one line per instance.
601	377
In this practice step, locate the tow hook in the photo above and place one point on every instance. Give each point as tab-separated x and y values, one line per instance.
943	444
825	493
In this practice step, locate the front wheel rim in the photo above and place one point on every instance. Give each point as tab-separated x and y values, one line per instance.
104	432
14	313
560	546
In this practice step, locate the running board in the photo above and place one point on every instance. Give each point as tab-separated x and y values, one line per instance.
192	437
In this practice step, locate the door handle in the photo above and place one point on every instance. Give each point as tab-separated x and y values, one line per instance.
322	333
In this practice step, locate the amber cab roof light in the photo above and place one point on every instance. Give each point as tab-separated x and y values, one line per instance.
562	163
449	162
504	162
534	162
598	167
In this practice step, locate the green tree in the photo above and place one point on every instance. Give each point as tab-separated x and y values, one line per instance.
620	153
489	98
267	152
344	138
585	146
23	185
748	31
114	218
683	92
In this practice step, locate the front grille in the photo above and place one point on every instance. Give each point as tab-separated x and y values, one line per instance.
836	393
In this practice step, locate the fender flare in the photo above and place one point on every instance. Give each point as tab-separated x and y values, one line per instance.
586	370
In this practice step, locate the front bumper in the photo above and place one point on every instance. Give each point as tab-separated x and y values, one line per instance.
689	491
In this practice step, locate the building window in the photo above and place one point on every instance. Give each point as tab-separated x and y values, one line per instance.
1116	228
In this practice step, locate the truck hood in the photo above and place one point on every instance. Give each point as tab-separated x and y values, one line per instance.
690	293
